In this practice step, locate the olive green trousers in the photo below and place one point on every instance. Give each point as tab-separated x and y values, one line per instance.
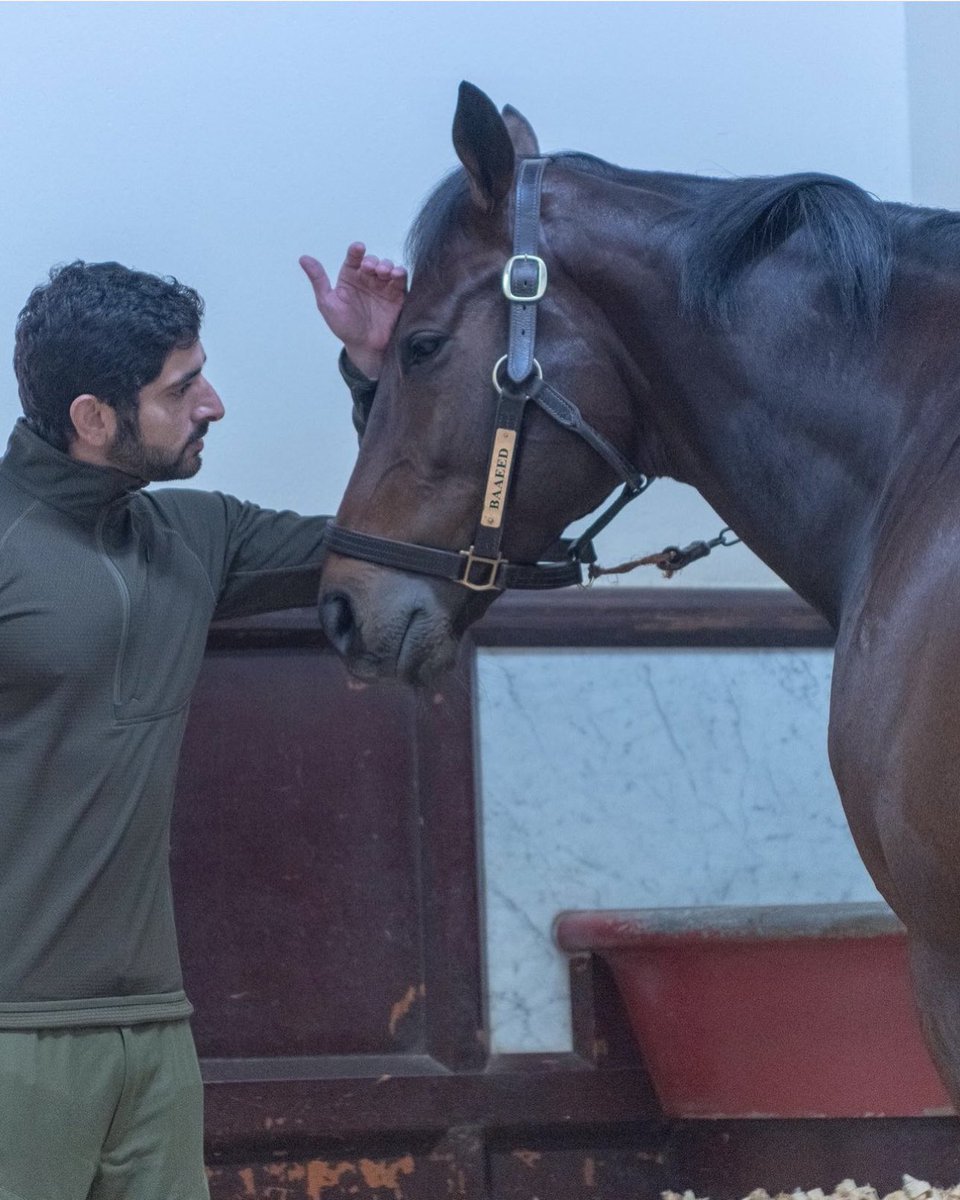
101	1114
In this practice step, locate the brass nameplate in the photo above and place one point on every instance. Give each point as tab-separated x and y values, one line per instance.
501	463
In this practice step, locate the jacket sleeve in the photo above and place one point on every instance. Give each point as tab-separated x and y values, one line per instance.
271	559
362	390
256	559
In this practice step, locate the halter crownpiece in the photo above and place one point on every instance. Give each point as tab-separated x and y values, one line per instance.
517	380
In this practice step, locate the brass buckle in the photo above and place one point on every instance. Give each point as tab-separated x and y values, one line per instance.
493	565
541	278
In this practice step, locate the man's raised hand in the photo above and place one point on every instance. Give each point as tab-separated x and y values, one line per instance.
362	308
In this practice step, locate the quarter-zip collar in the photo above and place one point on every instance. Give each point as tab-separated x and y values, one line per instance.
73	487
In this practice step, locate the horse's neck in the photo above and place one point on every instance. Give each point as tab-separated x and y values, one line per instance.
808	438
781	423
793	464
811	438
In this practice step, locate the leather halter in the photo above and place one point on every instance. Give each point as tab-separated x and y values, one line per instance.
517	379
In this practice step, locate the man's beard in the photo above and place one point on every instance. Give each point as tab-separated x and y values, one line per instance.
129	454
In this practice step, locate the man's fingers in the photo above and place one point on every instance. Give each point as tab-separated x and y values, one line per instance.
371	265
380	275
395	287
397	282
385	273
317	275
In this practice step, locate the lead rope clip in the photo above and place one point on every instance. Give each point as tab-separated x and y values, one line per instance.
670	559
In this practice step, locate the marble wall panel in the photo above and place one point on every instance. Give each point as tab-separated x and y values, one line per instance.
646	778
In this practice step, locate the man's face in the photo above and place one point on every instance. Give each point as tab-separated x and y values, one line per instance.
162	439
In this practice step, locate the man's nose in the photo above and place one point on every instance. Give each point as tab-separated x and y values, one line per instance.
209	406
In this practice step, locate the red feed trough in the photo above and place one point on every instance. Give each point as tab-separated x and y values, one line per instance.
788	1011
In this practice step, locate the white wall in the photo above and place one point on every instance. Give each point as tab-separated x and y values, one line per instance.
933	47
218	142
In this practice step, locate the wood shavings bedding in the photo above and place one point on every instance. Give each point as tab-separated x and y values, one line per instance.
912	1189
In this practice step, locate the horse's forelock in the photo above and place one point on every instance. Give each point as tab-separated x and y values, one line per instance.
440	216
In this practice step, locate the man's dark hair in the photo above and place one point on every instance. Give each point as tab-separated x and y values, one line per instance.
99	328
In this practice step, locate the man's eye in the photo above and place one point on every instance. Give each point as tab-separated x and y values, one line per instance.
421	346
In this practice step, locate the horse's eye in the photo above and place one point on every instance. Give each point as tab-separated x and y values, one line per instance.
420	346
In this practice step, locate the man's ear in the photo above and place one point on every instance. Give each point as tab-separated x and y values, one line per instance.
95	424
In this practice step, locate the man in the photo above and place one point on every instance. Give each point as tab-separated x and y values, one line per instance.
106	594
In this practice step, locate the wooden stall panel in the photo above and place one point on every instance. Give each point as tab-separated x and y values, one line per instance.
451	1167
296	860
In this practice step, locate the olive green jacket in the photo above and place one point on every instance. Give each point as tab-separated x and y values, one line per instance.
106	595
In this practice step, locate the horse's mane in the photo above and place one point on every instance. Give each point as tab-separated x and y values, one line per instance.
930	235
739	221
726	225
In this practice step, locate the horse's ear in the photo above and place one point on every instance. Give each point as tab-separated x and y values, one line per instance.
524	140
483	145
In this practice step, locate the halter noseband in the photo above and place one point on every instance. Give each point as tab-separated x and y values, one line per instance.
517	379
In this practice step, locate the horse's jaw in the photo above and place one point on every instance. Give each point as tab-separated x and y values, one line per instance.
387	625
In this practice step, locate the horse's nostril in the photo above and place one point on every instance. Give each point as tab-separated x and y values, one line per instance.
336	617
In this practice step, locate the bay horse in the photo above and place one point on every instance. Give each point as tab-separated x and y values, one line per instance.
788	346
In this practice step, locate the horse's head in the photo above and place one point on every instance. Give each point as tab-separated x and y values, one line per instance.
428	467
